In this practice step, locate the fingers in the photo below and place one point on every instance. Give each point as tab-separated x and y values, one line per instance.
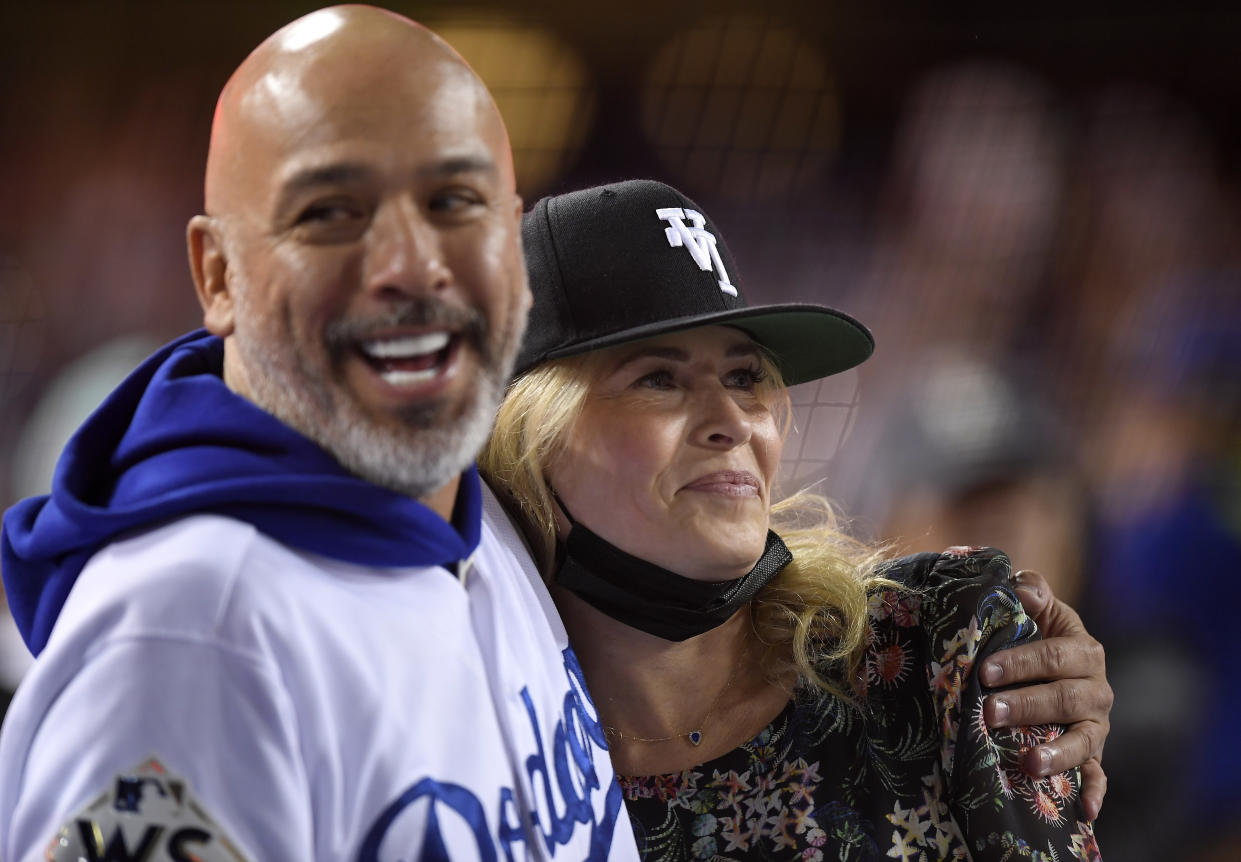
1034	592
1078	696
1094	779
1038	763
1054	617
1073	657
1061	702
1079	742
1094	788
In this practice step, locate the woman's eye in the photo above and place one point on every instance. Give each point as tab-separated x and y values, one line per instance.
745	378
661	379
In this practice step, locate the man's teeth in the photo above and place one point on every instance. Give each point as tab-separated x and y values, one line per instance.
394	377
405	346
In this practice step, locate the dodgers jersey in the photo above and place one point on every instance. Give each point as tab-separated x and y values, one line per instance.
247	653
317	709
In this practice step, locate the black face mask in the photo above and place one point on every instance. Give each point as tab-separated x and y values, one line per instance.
653	599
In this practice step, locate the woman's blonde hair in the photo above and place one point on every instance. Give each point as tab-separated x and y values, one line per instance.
812	617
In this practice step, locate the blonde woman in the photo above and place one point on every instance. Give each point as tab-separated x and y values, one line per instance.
768	687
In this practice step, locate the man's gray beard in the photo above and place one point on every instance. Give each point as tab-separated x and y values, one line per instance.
422	454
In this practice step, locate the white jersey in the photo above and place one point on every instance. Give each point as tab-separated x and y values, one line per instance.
315	709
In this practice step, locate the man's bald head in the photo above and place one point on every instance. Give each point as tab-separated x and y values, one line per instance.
361	251
316	71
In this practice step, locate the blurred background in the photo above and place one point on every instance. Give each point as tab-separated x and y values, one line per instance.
1035	208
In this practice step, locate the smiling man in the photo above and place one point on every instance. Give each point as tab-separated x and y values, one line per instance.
271	621
359	252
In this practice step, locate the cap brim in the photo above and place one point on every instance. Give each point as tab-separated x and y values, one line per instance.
807	341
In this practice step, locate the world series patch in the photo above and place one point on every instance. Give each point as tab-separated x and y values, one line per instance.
147	814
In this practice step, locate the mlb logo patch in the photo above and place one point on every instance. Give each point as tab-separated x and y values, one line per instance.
147	814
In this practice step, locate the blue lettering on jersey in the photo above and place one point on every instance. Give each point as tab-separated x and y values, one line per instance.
577	736
454	798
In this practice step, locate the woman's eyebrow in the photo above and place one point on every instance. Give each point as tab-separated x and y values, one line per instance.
673	354
677	354
744	348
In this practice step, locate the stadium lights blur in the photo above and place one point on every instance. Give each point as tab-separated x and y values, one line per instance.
541	86
741	106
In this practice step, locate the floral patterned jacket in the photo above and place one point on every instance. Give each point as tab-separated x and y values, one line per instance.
914	774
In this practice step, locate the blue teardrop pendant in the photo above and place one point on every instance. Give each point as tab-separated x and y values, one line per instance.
694	736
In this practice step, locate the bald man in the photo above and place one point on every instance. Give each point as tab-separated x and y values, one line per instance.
272	621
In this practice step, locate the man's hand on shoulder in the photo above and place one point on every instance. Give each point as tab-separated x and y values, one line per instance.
1064	680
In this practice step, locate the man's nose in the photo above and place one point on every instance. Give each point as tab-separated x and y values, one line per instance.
405	255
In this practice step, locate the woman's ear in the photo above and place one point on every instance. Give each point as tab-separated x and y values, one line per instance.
209	267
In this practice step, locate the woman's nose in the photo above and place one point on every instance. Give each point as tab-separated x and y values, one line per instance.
722	422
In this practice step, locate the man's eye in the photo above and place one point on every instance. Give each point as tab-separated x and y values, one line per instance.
454	200
332	212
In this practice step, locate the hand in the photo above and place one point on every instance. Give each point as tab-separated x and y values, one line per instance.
1078	694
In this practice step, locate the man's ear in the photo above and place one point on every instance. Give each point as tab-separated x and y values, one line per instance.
209	267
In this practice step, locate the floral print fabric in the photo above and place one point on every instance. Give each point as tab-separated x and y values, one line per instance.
914	774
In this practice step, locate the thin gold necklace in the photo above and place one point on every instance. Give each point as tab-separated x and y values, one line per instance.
693	736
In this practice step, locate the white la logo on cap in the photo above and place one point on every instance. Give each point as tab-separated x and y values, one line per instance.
699	241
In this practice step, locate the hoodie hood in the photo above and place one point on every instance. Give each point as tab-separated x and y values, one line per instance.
173	440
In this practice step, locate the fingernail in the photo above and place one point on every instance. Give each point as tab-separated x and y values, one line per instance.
992	674
1033	593
1000	709
1022	581
1044	761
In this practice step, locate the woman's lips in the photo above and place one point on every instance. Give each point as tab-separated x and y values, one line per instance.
730	483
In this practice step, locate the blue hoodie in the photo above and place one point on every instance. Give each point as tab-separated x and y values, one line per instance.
173	440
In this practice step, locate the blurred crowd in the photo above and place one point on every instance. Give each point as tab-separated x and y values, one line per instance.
1055	291
1054	283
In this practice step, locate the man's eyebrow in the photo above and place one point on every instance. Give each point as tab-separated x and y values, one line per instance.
467	164
339	173
344	173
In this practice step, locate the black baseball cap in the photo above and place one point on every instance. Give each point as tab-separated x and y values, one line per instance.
625	261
